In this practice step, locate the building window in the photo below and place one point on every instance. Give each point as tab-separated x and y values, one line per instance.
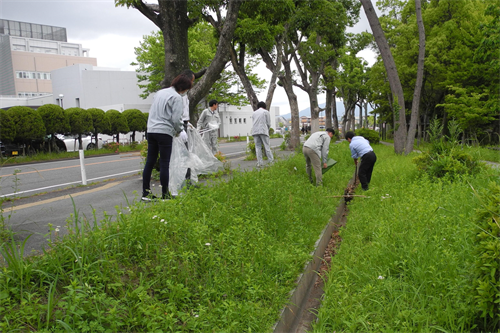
230	120
77	102
240	120
244	120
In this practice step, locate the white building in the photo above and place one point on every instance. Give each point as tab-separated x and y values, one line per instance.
87	86
237	120
29	52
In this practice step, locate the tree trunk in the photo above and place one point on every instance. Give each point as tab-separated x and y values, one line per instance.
360	114
313	102
418	84
172	18
275	69
328	108
221	57
239	67
392	74
366	115
309	84
96	134
374	121
286	79
334	113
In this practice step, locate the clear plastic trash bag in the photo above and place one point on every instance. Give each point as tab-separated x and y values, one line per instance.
197	157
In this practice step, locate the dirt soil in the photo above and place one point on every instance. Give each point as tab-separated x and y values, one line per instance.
314	299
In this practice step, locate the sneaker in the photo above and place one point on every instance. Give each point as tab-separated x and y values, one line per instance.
148	196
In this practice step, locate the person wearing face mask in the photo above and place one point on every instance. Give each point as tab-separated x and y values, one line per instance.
164	122
208	124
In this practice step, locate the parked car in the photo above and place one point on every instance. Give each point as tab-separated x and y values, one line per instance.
10	149
71	142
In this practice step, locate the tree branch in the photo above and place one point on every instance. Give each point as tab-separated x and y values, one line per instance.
150	11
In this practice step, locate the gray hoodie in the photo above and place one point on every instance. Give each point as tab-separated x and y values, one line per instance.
165	115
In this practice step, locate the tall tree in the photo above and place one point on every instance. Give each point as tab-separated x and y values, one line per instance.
55	121
100	124
7	126
317	31
260	25
420	77
136	121
118	123
174	18
80	122
202	47
392	74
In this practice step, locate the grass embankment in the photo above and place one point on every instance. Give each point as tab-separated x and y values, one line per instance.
222	258
407	257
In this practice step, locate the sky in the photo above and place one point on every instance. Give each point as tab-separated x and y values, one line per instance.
111	33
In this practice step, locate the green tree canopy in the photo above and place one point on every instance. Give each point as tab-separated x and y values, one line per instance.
80	122
54	118
202	41
118	123
136	121
100	123
7	126
28	124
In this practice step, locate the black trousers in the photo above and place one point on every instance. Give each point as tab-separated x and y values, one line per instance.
162	144
366	168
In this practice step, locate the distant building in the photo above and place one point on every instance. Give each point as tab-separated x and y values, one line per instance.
28	54
87	86
237	120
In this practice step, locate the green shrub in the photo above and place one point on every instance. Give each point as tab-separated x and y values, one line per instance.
271	131
369	135
487	268
286	141
446	158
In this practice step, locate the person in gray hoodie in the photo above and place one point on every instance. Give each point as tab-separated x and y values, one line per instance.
260	132
315	151
164	122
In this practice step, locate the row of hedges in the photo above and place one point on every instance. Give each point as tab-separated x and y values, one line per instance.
21	124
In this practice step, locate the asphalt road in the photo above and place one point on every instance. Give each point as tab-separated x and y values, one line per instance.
51	194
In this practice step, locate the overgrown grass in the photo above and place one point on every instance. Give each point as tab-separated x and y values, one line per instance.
221	258
407	255
44	157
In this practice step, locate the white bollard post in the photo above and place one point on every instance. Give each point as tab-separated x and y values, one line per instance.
82	167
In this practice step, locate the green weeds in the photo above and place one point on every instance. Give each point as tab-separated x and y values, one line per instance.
218	258
407	259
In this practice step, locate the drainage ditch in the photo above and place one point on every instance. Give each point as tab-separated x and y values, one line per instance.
300	312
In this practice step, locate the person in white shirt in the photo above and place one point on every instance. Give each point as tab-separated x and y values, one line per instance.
315	151
260	132
360	147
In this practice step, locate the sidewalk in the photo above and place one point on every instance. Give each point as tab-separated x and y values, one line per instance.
239	160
